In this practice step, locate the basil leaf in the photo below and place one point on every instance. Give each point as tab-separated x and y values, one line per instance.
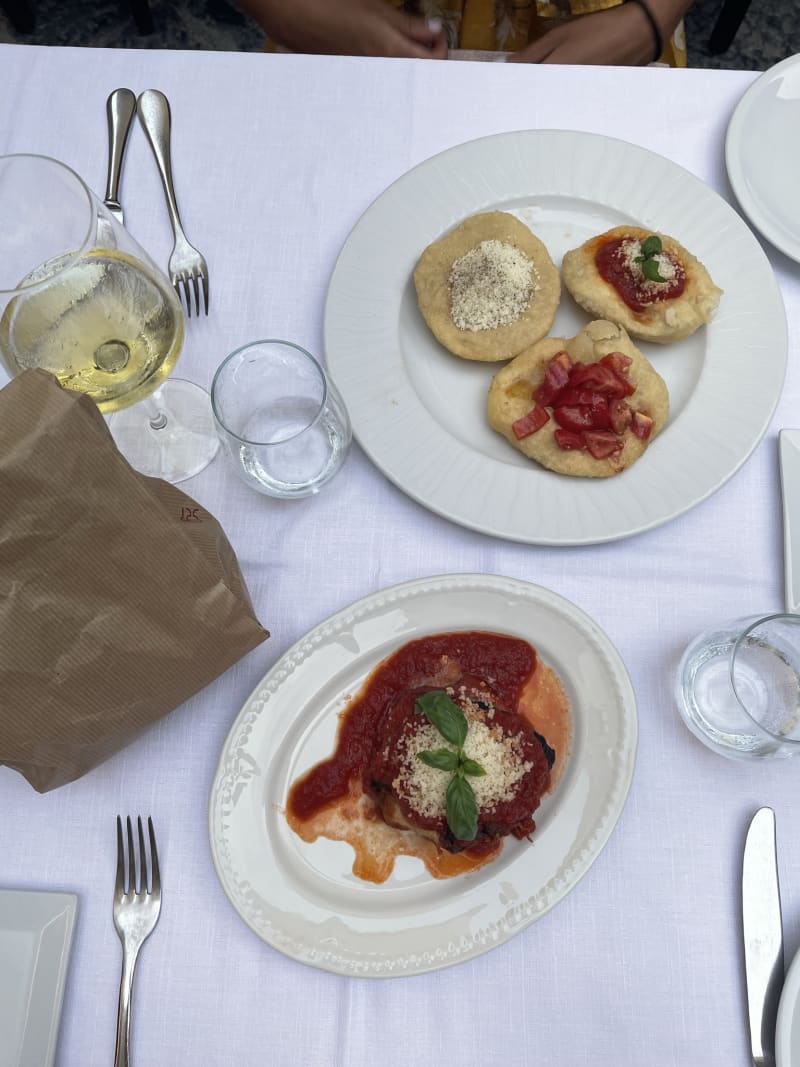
443	759
651	246
471	766
446	716
462	809
650	271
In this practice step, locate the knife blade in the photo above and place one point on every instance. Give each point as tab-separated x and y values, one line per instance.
789	455
120	109
763	935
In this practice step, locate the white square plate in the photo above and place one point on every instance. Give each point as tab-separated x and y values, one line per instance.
35	940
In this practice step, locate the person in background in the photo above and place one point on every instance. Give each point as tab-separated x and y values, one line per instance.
615	32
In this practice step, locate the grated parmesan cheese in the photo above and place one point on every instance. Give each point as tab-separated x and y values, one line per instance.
490	286
668	268
500	755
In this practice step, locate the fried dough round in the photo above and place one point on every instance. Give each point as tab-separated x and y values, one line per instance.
512	388
432	281
662	321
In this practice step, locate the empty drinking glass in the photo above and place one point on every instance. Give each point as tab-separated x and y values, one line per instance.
280	418
738	687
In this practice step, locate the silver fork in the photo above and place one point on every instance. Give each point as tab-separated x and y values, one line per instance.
186	265
136	911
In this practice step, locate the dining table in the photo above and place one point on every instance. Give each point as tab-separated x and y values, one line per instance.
639	960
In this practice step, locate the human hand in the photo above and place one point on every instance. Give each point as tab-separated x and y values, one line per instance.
617	36
348	27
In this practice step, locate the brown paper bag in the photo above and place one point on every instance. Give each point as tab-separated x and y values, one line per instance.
120	596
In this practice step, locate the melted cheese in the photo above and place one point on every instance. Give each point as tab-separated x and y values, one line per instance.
500	755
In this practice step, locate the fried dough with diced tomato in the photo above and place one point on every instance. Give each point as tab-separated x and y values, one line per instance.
586	406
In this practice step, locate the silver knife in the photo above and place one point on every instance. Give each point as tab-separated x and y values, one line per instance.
120	108
763	935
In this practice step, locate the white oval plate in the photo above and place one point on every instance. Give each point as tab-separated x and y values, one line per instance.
419	412
303	899
762	154
787	1030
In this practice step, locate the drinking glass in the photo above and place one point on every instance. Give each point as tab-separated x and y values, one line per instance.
280	418
738	687
80	299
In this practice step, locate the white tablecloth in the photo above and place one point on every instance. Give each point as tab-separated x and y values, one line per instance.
276	157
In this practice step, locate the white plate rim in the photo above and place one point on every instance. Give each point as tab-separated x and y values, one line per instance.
787	1009
361	330
235	778
735	140
59	912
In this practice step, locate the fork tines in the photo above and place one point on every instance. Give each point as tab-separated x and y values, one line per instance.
195	281
132	878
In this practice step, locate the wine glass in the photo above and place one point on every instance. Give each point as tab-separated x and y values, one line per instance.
81	299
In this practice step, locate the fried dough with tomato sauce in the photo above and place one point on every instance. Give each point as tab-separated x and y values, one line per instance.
511	398
662	320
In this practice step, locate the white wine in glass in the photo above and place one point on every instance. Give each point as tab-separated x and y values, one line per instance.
81	299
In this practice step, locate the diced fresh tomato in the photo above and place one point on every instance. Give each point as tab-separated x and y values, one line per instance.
588	403
569	396
570	441
556	376
601	416
618	362
601	379
562	360
575	417
591	416
545	393
602	443
530	423
642	425
619	415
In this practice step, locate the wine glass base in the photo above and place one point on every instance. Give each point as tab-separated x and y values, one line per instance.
171	435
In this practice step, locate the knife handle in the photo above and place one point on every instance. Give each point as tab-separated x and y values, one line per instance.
763	935
120	108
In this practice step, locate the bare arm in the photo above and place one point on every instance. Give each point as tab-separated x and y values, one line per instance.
348	27
619	35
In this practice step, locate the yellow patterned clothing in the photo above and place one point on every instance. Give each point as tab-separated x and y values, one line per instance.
508	25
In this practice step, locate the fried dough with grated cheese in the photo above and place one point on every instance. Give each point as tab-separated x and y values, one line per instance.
432	279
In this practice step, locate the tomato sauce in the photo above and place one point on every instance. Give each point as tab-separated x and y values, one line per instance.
631	285
333	799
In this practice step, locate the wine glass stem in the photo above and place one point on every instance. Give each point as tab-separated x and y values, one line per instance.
155	410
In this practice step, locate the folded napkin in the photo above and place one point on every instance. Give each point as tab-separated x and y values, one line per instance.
120	596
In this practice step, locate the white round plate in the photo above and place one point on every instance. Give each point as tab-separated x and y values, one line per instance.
420	413
787	1030
303	899
762	154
